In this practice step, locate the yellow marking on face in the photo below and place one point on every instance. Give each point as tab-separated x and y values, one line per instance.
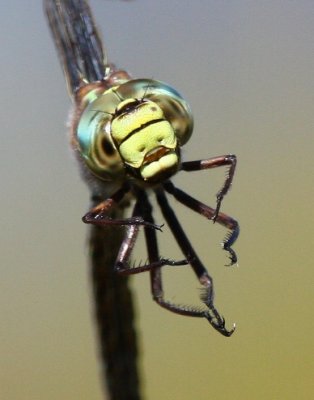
134	149
168	161
143	113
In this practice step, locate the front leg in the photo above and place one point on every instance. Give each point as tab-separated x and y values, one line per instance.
208	212
214	162
122	264
99	215
211	314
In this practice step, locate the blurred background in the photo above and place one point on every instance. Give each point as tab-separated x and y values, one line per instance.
246	67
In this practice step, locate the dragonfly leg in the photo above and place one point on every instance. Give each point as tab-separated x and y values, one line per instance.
214	162
209	212
156	273
122	265
211	314
99	215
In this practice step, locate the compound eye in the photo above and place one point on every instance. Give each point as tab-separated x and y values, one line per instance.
103	150
107	147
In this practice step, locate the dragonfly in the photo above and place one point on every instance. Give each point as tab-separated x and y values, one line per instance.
127	136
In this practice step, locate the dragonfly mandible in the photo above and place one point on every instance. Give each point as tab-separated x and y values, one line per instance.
127	135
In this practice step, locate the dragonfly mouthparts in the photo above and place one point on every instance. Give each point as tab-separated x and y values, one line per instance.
155	154
159	164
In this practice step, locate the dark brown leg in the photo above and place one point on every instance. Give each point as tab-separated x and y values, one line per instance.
215	162
156	273
122	265
208	212
212	315
98	215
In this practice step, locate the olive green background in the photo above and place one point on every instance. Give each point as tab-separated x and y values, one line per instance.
247	69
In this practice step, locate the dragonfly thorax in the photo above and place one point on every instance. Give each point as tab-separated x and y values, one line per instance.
135	129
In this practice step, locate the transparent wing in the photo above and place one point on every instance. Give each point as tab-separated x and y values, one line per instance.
77	40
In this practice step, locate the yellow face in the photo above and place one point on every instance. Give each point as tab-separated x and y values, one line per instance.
145	140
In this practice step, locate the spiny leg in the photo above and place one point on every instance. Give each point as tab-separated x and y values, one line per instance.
122	265
208	212
212	315
156	273
99	215
215	162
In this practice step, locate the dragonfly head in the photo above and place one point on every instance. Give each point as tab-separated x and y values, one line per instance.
136	128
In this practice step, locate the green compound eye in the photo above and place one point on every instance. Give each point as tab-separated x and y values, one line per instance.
107	147
140	124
